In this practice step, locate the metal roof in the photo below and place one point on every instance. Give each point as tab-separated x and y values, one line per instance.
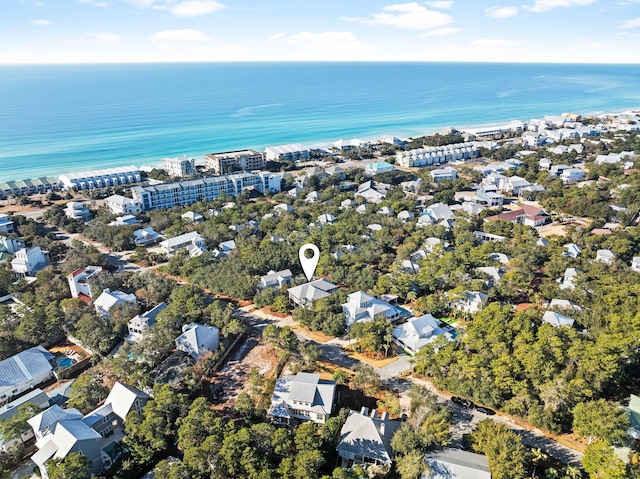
25	366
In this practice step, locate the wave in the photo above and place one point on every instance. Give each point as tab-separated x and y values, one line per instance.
248	110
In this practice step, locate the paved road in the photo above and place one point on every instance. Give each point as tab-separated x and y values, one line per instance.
463	419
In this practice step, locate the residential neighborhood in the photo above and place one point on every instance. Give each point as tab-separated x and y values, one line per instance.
472	311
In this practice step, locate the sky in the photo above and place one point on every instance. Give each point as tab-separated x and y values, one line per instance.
115	31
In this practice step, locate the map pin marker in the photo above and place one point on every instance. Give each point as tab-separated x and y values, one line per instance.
309	264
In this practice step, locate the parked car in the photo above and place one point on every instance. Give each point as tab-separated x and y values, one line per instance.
485	410
462	402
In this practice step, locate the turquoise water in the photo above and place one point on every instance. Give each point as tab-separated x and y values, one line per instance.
60	118
64	362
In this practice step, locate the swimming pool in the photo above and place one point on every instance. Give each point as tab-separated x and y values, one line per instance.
64	362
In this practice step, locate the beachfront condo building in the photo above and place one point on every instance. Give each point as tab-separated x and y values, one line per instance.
436	155
180	166
230	161
86	180
294	152
183	193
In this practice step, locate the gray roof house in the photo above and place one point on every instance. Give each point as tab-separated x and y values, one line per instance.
140	323
24	371
197	340
146	236
365	438
557	319
37	398
470	302
457	464
305	294
362	307
275	279
96	435
304	396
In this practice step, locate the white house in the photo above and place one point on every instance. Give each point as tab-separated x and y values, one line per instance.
304	397
418	332
557	319
441	174
373	191
146	236
111	299
605	256
172	245
197	340
179	166
192	217
28	261
378	167
101	178
77	211
292	152
326	219
362	307
572	250
439	212
275	279
456	464
568	281
9	246
24	371
140	323
571	175
121	205
513	185
635	264
470	302
305	294
80	279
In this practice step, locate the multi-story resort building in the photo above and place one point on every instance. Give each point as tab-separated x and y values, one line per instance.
180	166
230	161
294	152
101	178
182	193
435	155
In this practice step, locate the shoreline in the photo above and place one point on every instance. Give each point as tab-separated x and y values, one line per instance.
324	144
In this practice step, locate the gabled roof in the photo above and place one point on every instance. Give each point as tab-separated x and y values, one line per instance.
47	418
25	366
417	332
36	397
109	299
318	289
197	340
458	464
122	397
370	435
557	319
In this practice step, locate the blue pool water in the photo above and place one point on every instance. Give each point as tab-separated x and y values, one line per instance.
65	362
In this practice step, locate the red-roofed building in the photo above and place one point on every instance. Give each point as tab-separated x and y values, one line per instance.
528	215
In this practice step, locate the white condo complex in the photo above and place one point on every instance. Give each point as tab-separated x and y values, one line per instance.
101	178
183	193
435	155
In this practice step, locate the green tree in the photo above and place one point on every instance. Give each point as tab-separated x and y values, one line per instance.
366	379
601	462
601	419
411	465
87	391
74	466
16	426
503	448
171	470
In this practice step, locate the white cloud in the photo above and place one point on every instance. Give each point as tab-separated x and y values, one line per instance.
94	3
441	4
330	40
540	6
633	23
38	4
181	8
104	37
41	23
495	43
501	12
196	8
407	16
185	35
439	32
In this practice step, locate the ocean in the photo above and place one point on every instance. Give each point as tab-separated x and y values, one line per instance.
63	118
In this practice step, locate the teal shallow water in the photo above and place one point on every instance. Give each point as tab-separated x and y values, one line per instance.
55	119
